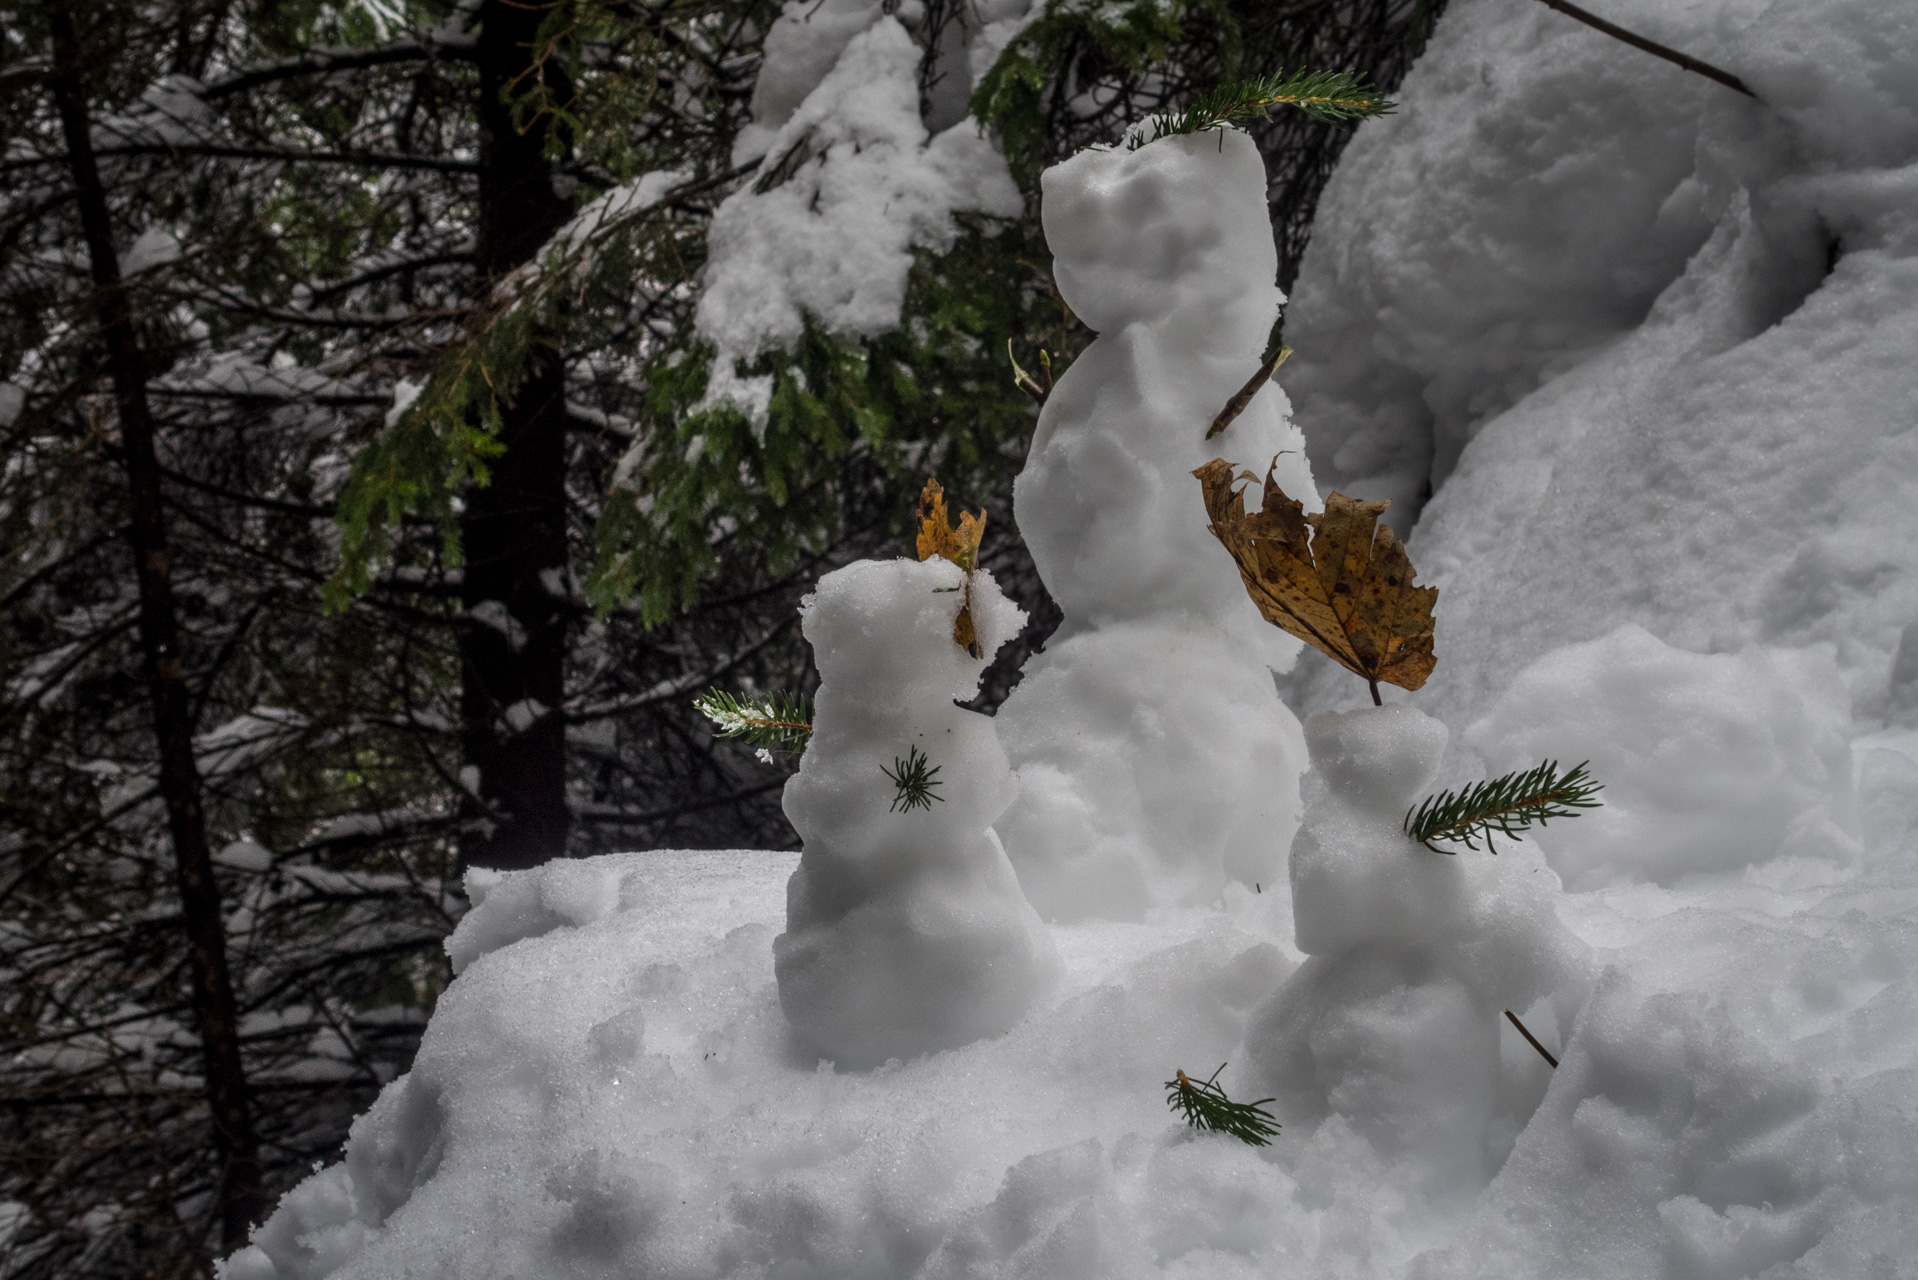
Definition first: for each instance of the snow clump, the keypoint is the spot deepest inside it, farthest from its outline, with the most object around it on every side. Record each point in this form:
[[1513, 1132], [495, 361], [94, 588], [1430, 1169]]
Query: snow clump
[[1711, 762], [1155, 759], [906, 931]]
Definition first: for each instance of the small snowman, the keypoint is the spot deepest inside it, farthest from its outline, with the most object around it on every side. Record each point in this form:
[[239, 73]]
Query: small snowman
[[906, 930], [1392, 1022]]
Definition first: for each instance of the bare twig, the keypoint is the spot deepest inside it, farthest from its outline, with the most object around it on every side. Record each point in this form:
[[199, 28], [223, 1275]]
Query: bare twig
[[1532, 1040], [1652, 47], [1236, 405]]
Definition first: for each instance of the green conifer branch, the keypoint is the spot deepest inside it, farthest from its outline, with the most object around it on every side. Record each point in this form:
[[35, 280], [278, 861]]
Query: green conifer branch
[[1328, 96], [1509, 805], [778, 721], [914, 777], [1206, 1108]]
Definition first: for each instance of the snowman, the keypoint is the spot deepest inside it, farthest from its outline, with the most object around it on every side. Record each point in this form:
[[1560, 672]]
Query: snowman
[[1155, 759], [906, 931], [1393, 1021]]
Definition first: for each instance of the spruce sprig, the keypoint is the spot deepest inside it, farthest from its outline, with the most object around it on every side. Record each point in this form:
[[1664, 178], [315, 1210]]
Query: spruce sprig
[[914, 777], [1509, 804], [1206, 1108], [1328, 96], [781, 721]]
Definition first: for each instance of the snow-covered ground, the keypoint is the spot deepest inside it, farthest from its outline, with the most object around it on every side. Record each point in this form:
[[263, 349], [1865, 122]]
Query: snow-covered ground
[[1653, 348]]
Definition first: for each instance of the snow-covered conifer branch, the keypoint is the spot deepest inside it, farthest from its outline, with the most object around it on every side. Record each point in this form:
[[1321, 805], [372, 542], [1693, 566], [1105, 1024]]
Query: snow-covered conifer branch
[[781, 721]]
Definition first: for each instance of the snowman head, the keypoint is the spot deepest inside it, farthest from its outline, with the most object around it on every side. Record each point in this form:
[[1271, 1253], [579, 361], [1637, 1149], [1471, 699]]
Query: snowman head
[[881, 630], [1178, 226], [1380, 758]]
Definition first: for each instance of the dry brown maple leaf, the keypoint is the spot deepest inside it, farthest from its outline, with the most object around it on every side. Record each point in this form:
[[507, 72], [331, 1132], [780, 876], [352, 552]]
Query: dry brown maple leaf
[[1347, 592], [937, 537]]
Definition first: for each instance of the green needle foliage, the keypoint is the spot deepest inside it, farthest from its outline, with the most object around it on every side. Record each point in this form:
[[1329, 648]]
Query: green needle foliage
[[1328, 96], [778, 721], [1509, 804], [1206, 1108], [915, 777]]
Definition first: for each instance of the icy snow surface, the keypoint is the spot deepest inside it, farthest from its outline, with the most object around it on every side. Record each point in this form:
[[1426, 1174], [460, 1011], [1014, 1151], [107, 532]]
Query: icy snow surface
[[1674, 520]]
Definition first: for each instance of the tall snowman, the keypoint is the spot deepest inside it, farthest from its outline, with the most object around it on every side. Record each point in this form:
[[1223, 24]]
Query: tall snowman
[[1155, 760], [906, 931]]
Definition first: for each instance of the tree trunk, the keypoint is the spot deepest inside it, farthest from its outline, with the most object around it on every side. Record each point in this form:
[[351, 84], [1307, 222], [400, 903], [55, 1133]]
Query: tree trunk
[[513, 649], [215, 1011]]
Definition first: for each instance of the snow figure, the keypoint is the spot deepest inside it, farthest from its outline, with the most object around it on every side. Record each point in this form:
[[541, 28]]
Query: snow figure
[[1393, 1021], [906, 931], [1155, 759]]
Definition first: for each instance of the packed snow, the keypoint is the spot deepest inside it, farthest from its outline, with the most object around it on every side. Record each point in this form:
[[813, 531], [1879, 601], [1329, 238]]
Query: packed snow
[[1648, 346]]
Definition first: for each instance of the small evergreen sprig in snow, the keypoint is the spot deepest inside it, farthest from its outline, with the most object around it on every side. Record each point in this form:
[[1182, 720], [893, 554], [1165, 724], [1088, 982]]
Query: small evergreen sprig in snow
[[1328, 96], [914, 778], [779, 721], [1509, 804], [1206, 1108]]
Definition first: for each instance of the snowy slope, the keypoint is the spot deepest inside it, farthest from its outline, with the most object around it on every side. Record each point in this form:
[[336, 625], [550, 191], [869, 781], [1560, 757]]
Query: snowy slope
[[1674, 515], [1586, 297]]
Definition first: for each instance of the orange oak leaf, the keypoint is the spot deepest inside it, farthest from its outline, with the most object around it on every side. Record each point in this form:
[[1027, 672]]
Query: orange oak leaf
[[1338, 580], [937, 537]]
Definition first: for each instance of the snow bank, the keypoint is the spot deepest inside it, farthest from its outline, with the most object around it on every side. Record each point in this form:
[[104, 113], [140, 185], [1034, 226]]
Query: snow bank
[[1155, 760], [623, 1097], [1585, 295]]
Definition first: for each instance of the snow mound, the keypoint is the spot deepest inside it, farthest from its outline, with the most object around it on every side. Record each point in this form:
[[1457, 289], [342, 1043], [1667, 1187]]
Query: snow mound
[[1711, 762]]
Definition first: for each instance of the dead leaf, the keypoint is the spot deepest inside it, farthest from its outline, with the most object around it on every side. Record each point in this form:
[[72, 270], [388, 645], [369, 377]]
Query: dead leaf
[[1347, 592], [937, 537]]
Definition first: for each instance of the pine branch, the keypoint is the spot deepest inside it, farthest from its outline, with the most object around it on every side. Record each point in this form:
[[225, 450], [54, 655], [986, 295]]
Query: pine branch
[[915, 777], [1206, 1108], [778, 721], [1509, 804], [1326, 96]]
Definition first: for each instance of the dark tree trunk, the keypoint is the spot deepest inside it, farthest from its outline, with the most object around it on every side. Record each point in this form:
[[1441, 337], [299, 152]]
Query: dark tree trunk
[[241, 1197], [512, 663]]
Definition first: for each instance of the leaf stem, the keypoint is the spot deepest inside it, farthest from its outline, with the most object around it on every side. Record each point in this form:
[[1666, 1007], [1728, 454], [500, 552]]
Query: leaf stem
[[1532, 1040]]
